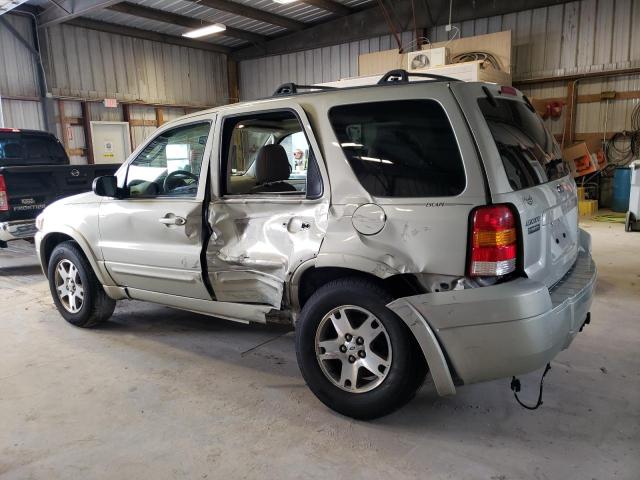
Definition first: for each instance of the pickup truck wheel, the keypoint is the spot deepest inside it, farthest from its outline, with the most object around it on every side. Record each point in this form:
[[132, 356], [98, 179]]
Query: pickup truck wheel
[[355, 354], [78, 295]]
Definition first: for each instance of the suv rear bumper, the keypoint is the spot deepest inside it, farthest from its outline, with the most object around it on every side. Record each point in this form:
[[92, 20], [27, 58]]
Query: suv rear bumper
[[503, 330], [17, 230]]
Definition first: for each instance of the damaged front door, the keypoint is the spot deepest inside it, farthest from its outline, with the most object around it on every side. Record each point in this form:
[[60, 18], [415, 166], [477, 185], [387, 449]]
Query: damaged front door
[[152, 237], [271, 209]]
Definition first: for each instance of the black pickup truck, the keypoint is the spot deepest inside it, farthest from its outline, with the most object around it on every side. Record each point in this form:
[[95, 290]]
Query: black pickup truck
[[34, 172]]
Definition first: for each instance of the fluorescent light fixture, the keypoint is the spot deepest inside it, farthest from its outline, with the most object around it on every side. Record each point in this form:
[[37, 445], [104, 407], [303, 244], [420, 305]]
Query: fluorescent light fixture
[[204, 31], [284, 2]]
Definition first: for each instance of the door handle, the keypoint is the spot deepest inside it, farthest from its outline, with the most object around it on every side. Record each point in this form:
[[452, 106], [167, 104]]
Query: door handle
[[171, 219], [296, 224]]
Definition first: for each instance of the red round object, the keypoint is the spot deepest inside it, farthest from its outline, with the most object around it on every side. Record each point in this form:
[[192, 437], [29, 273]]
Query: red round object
[[555, 109]]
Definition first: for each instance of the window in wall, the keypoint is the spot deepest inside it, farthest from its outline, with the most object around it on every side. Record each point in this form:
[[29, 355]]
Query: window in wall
[[402, 148]]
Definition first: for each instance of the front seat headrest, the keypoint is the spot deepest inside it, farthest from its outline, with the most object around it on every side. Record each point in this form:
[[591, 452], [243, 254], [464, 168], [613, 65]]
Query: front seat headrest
[[272, 164]]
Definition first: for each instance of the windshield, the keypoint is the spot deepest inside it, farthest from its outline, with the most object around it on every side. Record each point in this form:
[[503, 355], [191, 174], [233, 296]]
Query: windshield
[[529, 153]]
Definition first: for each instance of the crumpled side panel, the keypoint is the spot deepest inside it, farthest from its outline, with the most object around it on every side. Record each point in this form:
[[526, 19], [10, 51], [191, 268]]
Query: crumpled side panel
[[256, 245]]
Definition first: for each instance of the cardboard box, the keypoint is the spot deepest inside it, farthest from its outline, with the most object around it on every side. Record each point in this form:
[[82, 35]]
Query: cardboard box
[[585, 157], [498, 44]]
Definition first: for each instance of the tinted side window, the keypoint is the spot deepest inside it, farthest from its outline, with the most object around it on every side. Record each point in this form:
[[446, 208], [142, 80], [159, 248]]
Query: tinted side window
[[529, 153], [400, 148]]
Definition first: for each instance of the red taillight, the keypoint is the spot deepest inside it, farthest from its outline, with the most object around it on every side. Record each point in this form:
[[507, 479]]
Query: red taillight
[[13, 130], [493, 242], [4, 197]]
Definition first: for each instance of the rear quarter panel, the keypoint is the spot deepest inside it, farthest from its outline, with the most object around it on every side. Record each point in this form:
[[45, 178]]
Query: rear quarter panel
[[420, 235]]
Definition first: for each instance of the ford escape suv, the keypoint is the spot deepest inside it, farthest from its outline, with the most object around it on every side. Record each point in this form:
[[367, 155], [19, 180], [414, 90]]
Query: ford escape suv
[[403, 229]]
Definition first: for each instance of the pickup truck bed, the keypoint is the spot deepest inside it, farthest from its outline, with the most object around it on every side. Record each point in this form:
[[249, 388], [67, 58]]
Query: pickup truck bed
[[34, 172]]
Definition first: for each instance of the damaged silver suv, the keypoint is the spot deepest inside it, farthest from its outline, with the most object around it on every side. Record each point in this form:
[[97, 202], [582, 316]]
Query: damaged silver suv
[[403, 229]]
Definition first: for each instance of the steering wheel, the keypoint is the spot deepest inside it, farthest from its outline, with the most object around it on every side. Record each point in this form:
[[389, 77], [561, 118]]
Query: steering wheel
[[171, 180]]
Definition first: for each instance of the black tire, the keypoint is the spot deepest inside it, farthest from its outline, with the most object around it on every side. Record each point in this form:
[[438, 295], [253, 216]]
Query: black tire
[[406, 371], [96, 306]]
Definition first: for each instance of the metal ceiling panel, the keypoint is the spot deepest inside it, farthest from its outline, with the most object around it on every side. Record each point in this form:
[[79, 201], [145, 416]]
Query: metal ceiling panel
[[298, 11], [118, 18]]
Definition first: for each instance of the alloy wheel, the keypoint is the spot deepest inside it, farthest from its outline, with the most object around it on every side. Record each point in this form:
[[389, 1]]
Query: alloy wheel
[[69, 286], [353, 349]]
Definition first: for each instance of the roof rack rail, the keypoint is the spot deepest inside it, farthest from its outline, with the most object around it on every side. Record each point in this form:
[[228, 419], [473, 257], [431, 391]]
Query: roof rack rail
[[402, 76], [292, 88]]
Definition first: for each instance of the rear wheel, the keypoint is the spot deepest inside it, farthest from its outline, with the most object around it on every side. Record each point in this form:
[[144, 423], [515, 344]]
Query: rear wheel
[[355, 354], [78, 295]]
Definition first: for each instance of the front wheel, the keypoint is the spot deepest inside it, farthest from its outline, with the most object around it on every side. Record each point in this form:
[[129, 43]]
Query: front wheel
[[355, 354], [76, 291]]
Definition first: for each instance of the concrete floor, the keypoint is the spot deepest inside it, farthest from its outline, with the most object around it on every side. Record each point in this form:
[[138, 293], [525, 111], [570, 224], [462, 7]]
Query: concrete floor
[[158, 393]]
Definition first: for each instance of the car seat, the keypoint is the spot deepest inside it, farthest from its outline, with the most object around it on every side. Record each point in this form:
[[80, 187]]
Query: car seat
[[272, 169]]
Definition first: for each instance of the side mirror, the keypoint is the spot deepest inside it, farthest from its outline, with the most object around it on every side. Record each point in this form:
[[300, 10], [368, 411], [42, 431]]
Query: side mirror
[[106, 186]]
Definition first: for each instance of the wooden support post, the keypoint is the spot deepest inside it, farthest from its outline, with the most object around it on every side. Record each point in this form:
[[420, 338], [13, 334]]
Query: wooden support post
[[126, 116], [86, 126], [570, 115], [63, 126], [233, 80], [159, 116]]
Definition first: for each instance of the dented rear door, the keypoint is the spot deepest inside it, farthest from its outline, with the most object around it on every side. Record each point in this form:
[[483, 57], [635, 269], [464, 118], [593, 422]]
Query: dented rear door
[[257, 241]]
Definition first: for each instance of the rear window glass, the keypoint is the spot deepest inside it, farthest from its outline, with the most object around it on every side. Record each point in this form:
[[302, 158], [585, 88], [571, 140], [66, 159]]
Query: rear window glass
[[529, 153], [31, 149], [400, 148]]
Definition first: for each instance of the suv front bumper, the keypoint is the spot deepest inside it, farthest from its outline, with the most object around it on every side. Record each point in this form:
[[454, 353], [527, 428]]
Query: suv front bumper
[[17, 230], [499, 331]]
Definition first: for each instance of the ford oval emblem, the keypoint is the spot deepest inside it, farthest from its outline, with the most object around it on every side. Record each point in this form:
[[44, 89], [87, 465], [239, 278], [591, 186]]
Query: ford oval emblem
[[75, 172]]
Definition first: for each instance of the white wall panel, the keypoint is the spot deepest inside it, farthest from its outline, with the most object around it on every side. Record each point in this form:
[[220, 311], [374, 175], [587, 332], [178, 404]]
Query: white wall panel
[[22, 114], [18, 76], [18, 73], [89, 64]]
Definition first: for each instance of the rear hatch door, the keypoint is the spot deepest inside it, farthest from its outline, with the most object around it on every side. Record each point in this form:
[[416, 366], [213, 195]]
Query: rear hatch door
[[524, 168]]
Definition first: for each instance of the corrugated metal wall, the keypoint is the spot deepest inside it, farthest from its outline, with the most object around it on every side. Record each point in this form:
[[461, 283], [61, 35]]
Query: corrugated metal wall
[[87, 64], [575, 37], [261, 76], [18, 76], [90, 64]]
